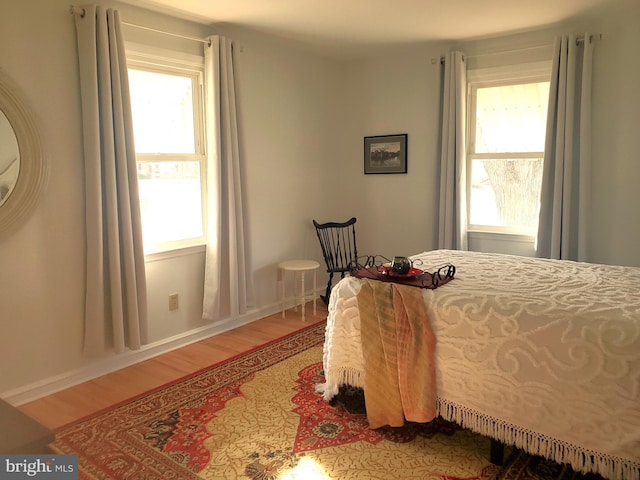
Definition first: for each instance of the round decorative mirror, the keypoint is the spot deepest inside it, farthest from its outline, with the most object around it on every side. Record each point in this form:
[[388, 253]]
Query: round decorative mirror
[[9, 158], [23, 166]]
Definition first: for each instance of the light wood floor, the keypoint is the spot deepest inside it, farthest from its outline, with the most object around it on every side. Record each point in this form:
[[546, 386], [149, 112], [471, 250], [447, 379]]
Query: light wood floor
[[101, 393]]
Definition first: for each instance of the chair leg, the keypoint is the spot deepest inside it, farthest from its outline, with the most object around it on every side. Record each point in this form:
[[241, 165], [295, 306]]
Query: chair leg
[[327, 293]]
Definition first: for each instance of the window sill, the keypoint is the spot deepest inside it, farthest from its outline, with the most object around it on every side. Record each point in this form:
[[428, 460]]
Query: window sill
[[502, 242], [178, 252], [509, 236]]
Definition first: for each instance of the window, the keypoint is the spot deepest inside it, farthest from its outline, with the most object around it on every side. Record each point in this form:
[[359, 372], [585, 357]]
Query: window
[[167, 121], [507, 122]]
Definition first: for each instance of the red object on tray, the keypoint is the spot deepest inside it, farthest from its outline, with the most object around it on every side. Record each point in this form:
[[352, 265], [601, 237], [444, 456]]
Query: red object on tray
[[412, 273]]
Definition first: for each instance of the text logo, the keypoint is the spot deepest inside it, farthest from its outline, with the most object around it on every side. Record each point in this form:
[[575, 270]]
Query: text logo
[[50, 467]]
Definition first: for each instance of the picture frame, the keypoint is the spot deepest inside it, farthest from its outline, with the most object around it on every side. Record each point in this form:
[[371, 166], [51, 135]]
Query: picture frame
[[385, 154]]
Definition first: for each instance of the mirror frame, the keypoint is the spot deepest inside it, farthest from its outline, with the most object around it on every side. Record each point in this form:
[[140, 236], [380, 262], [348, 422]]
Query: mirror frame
[[34, 167]]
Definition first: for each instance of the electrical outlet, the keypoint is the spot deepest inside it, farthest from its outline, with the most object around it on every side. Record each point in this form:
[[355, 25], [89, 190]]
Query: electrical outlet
[[173, 301]]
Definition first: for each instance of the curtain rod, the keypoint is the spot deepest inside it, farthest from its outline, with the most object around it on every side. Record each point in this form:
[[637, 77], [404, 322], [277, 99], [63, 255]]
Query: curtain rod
[[579, 41], [81, 11]]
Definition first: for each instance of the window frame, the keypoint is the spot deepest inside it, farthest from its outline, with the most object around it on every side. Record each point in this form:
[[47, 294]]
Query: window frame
[[151, 59], [517, 74]]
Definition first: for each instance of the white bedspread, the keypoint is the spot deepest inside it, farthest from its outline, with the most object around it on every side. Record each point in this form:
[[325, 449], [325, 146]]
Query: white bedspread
[[541, 354]]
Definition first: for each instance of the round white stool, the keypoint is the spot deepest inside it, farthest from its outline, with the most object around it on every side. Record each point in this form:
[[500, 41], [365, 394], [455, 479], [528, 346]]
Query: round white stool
[[297, 267]]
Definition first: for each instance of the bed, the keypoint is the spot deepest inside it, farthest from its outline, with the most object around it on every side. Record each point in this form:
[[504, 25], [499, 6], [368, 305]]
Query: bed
[[540, 354]]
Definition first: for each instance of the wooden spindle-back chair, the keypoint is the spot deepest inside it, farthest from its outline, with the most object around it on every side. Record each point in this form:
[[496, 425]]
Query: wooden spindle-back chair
[[338, 243]]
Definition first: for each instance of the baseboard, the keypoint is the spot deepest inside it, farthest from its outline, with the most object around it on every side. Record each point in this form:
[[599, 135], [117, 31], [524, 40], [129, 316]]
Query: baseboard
[[51, 385]]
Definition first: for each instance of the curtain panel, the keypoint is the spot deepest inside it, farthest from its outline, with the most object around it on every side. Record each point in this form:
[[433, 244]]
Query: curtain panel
[[227, 284], [115, 298], [452, 225], [566, 180]]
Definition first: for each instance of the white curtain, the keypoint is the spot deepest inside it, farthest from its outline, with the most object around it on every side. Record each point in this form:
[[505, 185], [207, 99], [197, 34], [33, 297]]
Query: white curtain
[[115, 300], [452, 232], [566, 187], [227, 278]]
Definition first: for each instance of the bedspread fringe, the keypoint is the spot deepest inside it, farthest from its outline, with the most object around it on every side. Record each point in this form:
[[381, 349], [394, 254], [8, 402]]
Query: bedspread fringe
[[342, 376], [534, 443]]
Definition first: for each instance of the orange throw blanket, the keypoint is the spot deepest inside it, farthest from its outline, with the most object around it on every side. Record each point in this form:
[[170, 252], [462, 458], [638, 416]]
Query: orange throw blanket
[[398, 347]]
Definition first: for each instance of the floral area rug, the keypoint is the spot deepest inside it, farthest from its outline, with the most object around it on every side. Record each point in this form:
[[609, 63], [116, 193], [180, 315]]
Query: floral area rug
[[258, 417]]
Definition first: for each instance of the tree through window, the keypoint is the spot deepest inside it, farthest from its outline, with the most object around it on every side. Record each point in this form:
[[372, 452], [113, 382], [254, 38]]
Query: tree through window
[[505, 154]]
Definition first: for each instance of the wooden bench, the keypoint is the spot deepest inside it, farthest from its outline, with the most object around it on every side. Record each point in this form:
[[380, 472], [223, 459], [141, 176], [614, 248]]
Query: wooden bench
[[21, 434]]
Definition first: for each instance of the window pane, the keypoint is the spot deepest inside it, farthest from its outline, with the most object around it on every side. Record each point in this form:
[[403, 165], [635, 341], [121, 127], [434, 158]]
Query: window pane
[[511, 118], [505, 193], [170, 201], [162, 108]]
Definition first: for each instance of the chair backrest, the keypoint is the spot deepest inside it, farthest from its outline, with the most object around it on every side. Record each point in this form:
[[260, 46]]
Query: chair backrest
[[338, 242]]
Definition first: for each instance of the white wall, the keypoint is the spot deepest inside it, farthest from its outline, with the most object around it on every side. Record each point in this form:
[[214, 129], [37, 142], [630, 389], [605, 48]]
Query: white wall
[[395, 92], [286, 114], [287, 120], [615, 229], [41, 283], [303, 119]]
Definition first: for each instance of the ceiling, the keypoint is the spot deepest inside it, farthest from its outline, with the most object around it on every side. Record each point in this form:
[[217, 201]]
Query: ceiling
[[342, 27]]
